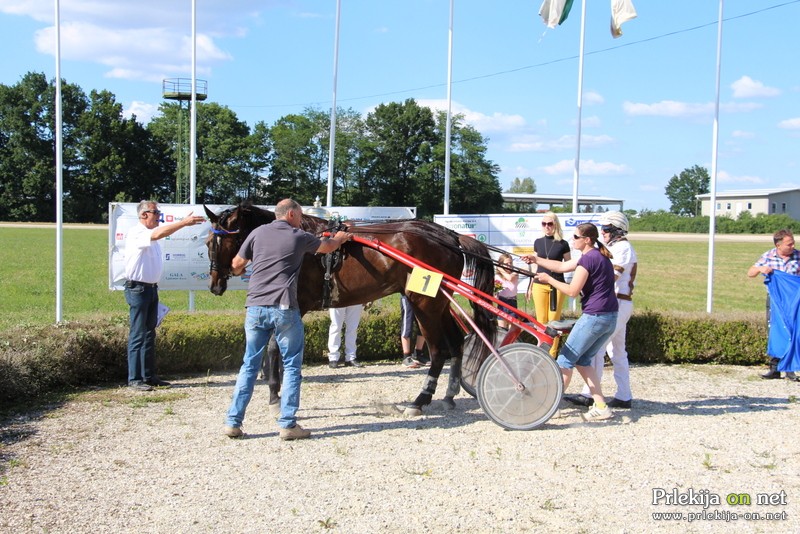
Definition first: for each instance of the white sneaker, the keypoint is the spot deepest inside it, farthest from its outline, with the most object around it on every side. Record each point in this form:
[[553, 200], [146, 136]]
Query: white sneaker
[[595, 414]]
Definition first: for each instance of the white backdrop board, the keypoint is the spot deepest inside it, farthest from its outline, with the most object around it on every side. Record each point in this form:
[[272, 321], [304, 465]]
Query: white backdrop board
[[513, 232], [186, 264]]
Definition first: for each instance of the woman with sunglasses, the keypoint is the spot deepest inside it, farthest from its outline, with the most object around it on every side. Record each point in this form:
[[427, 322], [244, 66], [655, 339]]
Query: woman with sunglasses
[[551, 246], [594, 282]]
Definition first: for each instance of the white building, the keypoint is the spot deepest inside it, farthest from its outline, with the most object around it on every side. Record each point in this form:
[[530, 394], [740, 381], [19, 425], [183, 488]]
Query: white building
[[768, 201], [536, 202]]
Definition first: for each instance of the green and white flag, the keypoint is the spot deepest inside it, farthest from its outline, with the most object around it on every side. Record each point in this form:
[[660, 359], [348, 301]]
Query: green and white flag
[[554, 12]]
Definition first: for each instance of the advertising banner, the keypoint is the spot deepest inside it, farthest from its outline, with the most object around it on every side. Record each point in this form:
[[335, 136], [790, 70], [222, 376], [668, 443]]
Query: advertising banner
[[513, 232], [186, 263]]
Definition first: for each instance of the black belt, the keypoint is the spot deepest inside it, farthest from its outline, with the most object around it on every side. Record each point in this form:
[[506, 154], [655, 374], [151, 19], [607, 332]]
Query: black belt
[[134, 283], [622, 296]]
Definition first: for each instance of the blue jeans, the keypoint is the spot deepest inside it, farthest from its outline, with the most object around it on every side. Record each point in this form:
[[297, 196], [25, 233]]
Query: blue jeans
[[259, 323], [143, 301], [588, 336]]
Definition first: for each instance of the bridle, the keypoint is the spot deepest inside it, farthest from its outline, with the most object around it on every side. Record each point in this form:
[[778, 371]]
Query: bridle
[[217, 235]]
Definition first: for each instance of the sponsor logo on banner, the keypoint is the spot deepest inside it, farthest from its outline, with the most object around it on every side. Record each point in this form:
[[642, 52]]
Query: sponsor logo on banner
[[201, 276], [574, 221], [175, 256], [521, 224], [174, 276]]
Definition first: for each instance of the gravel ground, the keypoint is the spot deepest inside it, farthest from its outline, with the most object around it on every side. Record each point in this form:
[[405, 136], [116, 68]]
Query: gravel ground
[[111, 460]]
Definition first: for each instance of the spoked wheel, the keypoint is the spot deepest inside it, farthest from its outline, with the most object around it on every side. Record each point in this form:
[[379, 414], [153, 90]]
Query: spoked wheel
[[536, 403], [470, 367]]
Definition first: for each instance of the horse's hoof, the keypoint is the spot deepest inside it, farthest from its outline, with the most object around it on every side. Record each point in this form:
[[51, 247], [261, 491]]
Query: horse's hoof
[[449, 403], [412, 411], [275, 410]]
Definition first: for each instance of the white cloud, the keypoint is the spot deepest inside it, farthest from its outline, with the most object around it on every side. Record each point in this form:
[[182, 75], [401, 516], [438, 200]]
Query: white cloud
[[672, 108], [532, 143], [741, 134], [592, 97], [143, 40], [790, 124], [746, 87], [724, 177], [148, 53], [496, 122], [588, 167], [143, 111]]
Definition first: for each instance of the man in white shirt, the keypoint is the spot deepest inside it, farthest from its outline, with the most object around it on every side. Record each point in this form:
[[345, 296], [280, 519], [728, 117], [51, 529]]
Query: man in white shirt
[[144, 264]]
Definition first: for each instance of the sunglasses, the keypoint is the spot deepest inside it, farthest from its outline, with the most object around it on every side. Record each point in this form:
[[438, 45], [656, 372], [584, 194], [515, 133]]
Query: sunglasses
[[154, 212], [607, 228], [548, 224], [574, 236]]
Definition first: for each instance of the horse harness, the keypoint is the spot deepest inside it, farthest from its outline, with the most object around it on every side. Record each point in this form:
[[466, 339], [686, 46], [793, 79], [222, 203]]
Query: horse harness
[[331, 262]]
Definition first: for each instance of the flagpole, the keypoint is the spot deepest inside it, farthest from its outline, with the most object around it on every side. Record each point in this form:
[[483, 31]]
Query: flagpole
[[332, 145], [448, 127], [59, 172], [577, 165], [714, 150], [193, 127]]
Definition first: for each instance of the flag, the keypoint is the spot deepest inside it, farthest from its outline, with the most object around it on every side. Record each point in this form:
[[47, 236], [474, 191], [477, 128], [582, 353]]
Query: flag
[[554, 12], [783, 341], [621, 11]]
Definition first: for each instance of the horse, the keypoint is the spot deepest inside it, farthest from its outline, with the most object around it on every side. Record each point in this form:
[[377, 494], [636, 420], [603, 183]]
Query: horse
[[365, 274]]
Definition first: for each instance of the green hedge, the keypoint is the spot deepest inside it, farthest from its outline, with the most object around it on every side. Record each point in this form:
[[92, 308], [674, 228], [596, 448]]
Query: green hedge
[[39, 360]]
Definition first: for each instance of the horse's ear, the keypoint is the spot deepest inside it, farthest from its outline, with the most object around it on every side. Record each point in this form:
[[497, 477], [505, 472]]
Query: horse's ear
[[211, 215]]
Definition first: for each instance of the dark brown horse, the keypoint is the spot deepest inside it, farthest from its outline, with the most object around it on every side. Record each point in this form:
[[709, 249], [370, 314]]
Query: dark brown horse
[[366, 275]]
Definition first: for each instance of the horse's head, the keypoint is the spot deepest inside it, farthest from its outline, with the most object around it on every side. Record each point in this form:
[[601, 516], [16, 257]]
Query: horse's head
[[229, 229], [223, 243]]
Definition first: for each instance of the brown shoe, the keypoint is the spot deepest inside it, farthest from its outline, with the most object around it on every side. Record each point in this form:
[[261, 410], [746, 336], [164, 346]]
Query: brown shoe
[[296, 432], [233, 432]]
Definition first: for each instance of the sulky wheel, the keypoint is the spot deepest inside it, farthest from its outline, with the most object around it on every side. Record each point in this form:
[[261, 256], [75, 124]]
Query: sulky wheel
[[470, 367], [536, 403]]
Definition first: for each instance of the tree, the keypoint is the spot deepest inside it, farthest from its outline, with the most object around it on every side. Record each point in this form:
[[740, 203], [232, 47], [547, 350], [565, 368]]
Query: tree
[[298, 157], [474, 187], [227, 155], [522, 185], [682, 191], [119, 160], [398, 144], [350, 130], [27, 146]]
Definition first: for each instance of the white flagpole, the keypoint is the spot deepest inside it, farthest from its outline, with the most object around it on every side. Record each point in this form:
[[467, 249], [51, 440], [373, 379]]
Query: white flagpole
[[448, 127], [714, 149], [332, 144], [193, 127], [577, 166], [59, 173]]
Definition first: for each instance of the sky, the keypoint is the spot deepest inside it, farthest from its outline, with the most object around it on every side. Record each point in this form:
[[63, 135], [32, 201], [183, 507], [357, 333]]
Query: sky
[[648, 97]]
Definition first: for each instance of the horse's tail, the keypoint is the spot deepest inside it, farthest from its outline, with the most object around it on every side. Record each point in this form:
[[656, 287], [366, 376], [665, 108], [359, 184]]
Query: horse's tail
[[480, 263]]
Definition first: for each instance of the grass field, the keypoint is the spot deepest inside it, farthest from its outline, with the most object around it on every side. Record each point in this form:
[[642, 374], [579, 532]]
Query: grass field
[[672, 277]]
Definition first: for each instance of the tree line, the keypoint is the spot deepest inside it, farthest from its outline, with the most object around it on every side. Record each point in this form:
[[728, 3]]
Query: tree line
[[392, 157]]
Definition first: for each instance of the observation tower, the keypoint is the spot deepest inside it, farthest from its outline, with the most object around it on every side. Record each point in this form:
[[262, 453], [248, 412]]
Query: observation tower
[[180, 89]]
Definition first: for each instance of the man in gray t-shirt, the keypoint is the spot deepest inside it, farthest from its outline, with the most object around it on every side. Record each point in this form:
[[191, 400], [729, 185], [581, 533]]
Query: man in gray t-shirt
[[276, 250]]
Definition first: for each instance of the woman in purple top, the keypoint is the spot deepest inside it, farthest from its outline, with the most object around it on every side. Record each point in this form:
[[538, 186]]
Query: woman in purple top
[[594, 282]]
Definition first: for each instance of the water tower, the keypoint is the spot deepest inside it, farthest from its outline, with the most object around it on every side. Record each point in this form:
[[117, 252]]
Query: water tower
[[180, 89]]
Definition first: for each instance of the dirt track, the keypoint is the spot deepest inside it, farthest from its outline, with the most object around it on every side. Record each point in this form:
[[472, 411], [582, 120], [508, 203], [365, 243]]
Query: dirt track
[[116, 461]]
